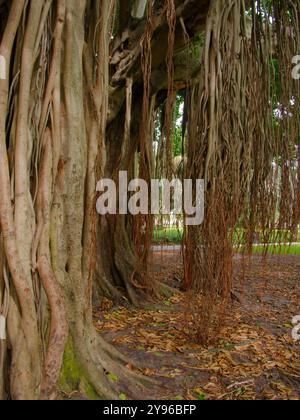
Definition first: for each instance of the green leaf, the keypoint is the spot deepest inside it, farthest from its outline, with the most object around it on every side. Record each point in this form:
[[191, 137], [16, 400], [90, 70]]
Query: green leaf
[[179, 398], [122, 397], [201, 397], [113, 377]]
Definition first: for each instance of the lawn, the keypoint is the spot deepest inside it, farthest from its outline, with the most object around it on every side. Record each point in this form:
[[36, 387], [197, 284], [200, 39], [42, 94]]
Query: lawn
[[279, 250], [174, 236], [171, 235]]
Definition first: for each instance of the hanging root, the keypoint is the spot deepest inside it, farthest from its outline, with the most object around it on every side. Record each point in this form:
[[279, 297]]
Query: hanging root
[[249, 161]]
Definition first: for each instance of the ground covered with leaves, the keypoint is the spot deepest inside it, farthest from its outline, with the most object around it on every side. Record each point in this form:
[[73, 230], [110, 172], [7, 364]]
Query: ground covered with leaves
[[253, 357]]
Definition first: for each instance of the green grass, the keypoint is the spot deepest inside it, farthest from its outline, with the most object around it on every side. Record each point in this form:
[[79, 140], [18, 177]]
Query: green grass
[[279, 250], [168, 236], [173, 236], [273, 236]]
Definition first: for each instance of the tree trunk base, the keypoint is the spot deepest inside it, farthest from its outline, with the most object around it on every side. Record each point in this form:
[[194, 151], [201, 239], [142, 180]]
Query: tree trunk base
[[98, 371]]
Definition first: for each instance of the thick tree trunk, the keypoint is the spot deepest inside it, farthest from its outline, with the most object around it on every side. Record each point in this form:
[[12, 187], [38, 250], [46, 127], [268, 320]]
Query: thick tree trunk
[[62, 129], [120, 273], [87, 358], [55, 242]]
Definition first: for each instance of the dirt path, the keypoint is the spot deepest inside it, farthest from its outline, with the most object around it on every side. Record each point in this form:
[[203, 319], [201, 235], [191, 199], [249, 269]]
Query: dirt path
[[254, 357]]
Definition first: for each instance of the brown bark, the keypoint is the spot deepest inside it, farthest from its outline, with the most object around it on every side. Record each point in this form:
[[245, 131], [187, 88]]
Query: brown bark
[[25, 355], [62, 128]]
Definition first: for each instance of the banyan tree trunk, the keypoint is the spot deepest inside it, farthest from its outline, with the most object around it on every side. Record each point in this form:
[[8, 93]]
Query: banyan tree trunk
[[120, 273], [48, 152], [66, 83]]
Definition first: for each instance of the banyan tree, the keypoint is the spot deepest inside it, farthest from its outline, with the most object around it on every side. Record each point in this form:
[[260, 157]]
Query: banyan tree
[[82, 84]]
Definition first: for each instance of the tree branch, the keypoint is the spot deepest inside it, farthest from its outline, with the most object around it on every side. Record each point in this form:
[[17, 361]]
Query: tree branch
[[138, 9]]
